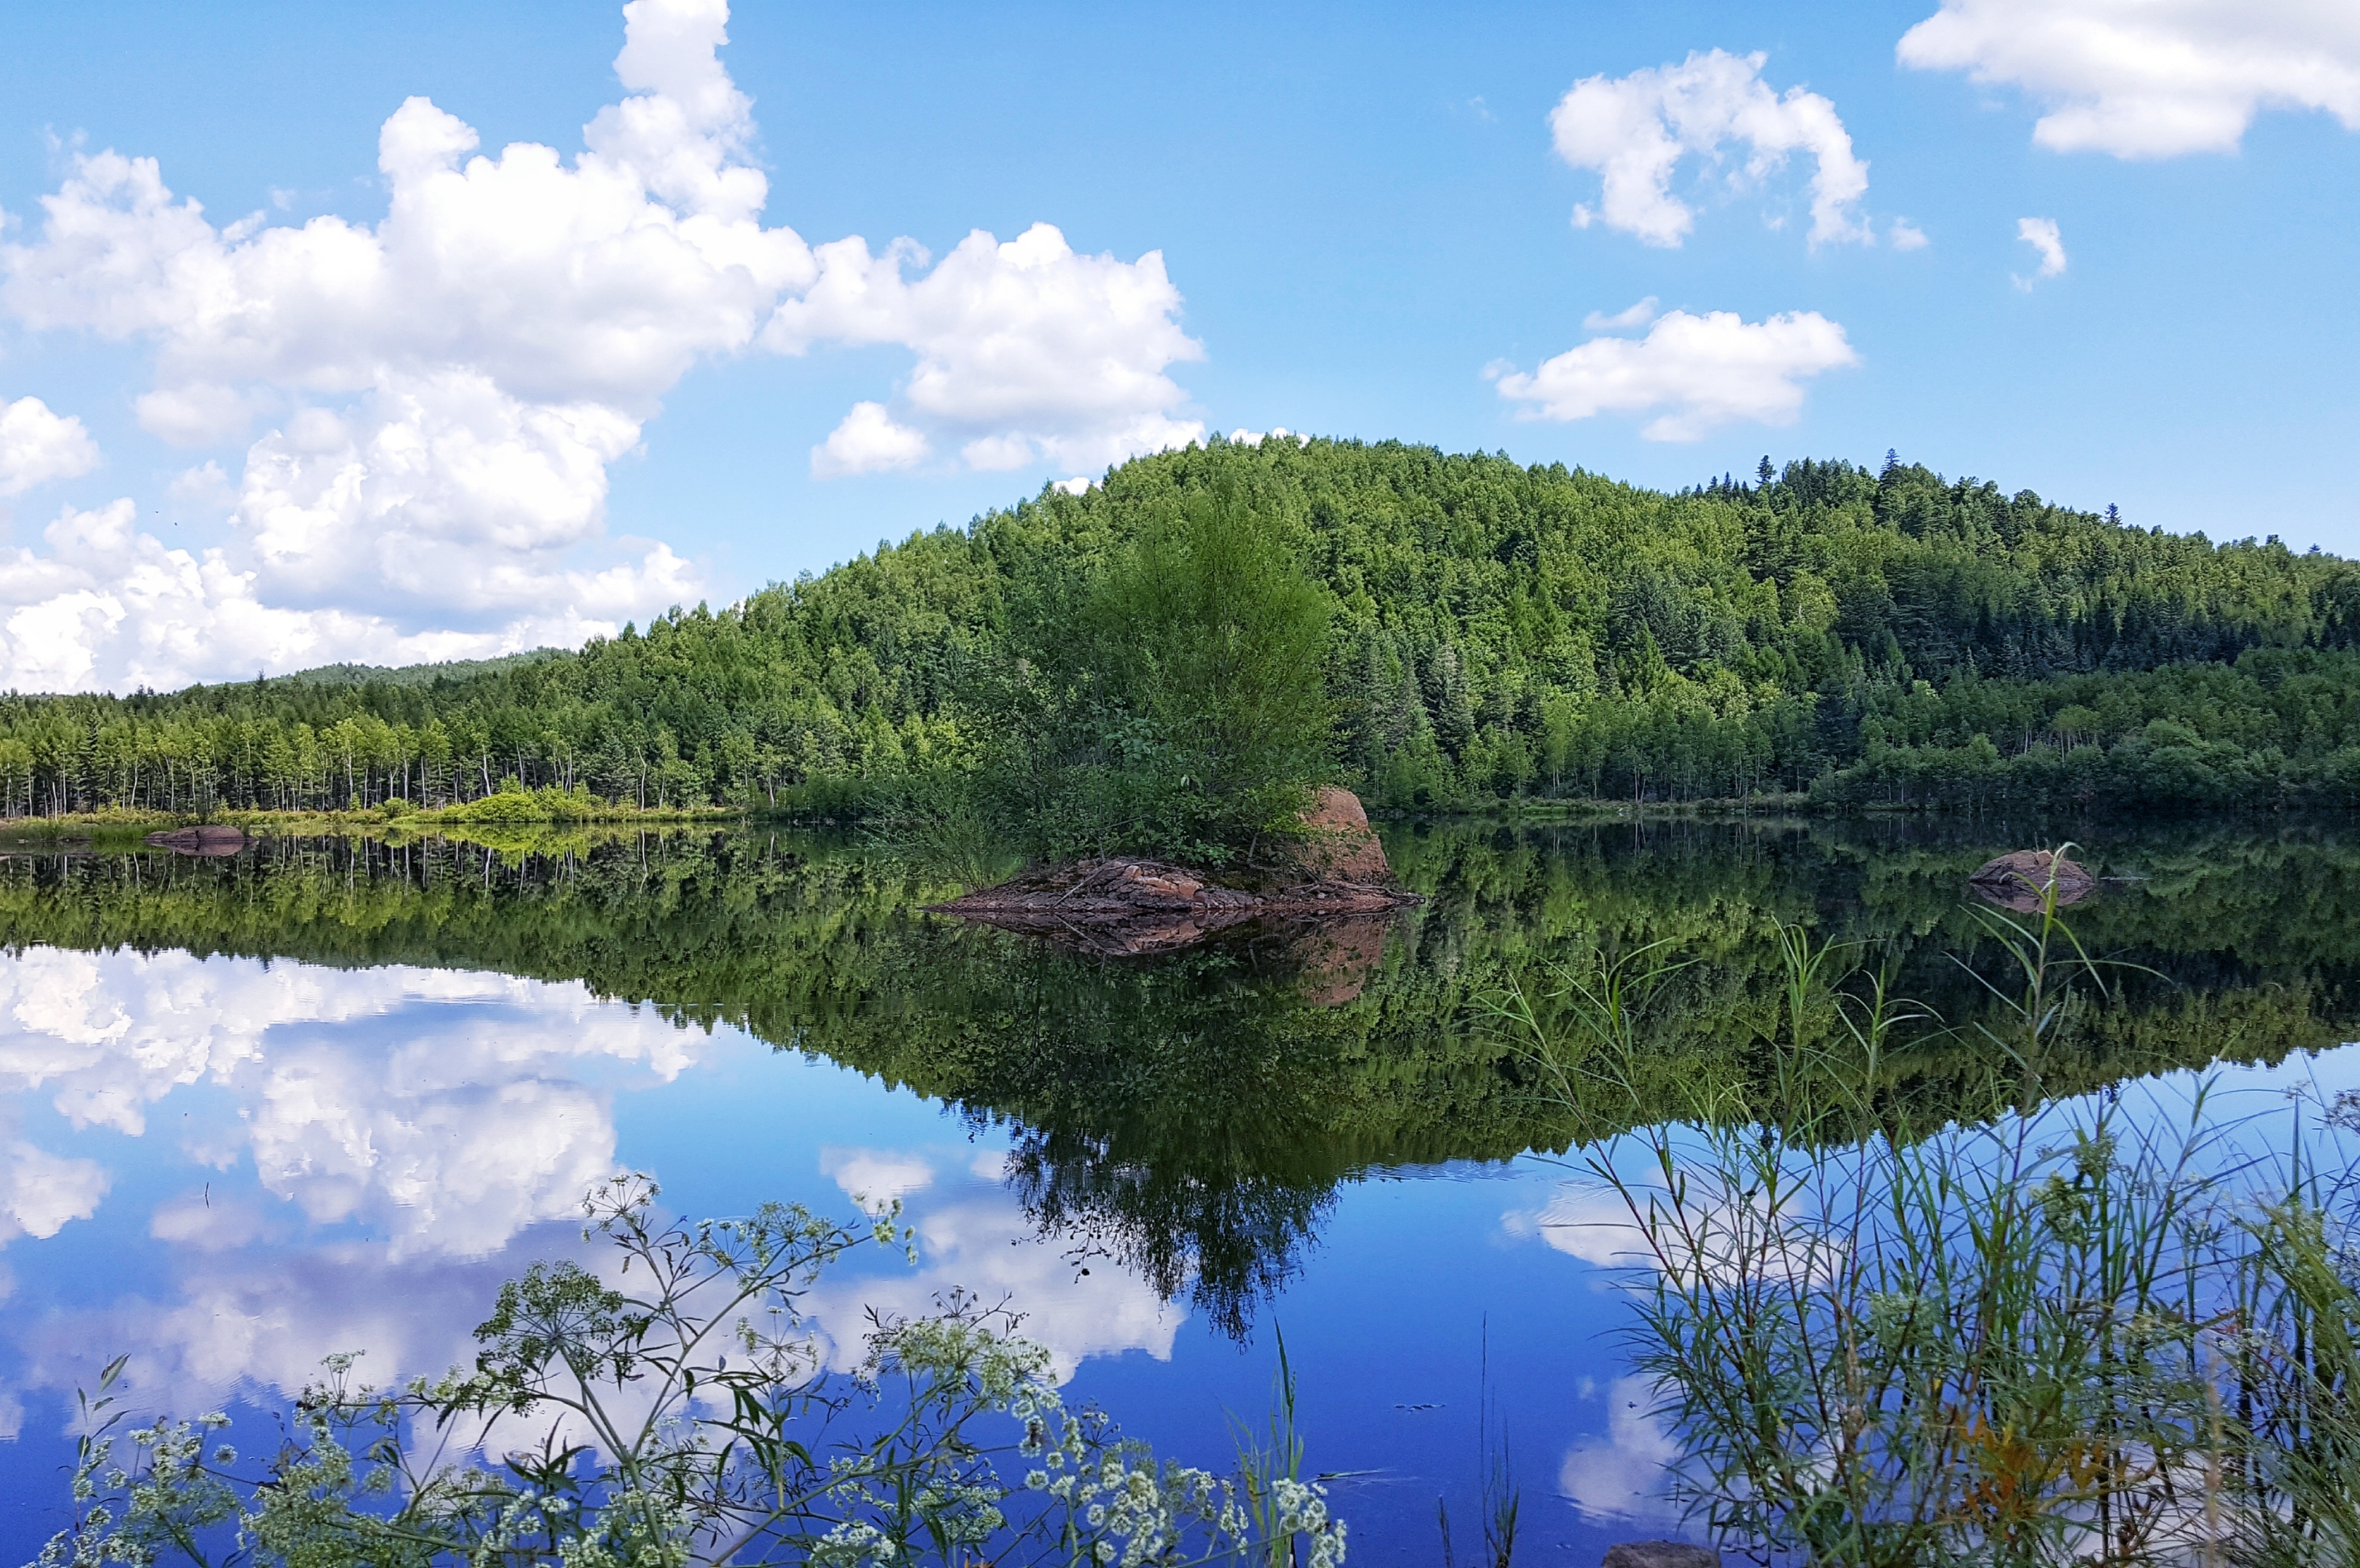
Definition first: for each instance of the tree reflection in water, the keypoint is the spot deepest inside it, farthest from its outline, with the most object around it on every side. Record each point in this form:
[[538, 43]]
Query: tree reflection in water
[[1192, 1115]]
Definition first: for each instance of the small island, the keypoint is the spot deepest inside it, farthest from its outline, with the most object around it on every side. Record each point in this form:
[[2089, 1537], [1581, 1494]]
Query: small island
[[1120, 906]]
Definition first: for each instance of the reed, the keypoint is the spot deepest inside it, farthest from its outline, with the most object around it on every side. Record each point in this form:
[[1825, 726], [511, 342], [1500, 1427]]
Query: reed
[[2073, 1333]]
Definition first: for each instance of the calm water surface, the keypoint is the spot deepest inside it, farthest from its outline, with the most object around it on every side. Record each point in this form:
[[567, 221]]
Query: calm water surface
[[325, 1096]]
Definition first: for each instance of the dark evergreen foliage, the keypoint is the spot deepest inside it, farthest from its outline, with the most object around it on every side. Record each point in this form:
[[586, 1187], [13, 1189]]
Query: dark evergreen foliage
[[1496, 630]]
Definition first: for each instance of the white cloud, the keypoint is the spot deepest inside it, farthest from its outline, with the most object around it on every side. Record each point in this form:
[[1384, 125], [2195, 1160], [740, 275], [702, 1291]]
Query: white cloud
[[2041, 234], [988, 1247], [1026, 349], [1728, 1235], [449, 388], [1624, 1477], [450, 1137], [997, 455], [199, 1219], [1636, 129], [2151, 78], [1703, 371], [1905, 236], [1622, 320], [874, 1177], [235, 1323], [206, 486], [107, 606], [40, 1192], [194, 415], [37, 446], [867, 442]]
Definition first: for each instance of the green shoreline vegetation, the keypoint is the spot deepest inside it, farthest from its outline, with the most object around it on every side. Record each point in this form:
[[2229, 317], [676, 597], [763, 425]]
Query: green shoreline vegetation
[[1487, 636]]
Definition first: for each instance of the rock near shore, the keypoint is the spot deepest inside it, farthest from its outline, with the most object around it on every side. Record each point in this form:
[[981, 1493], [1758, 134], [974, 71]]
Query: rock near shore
[[213, 838], [2018, 880], [1340, 844]]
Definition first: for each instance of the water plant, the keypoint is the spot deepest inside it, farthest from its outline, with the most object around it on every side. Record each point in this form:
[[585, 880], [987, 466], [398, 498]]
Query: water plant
[[2077, 1332], [676, 1407]]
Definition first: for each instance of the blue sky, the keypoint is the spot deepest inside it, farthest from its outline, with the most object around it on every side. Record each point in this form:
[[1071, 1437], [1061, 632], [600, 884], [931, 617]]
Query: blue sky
[[240, 458]]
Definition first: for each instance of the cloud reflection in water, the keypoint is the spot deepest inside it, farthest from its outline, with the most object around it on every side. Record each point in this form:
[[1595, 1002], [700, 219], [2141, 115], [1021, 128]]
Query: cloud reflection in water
[[361, 1155]]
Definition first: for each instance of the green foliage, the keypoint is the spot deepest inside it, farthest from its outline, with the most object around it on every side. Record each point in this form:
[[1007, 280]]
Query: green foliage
[[1171, 702], [2019, 1339], [1495, 631], [684, 1416]]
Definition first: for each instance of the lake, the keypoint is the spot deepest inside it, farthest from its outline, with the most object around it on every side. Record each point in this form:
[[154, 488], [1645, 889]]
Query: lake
[[324, 1095]]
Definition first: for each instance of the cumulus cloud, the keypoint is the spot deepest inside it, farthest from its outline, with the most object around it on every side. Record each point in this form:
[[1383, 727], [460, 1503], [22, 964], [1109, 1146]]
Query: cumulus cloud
[[445, 392], [1634, 130], [450, 1137], [200, 1220], [1622, 320], [39, 1192], [1905, 236], [1279, 432], [235, 1323], [1624, 1476], [2152, 80], [875, 1178], [988, 1247], [1702, 371], [37, 446], [453, 1121], [2041, 234], [1026, 350], [1731, 1235], [867, 442]]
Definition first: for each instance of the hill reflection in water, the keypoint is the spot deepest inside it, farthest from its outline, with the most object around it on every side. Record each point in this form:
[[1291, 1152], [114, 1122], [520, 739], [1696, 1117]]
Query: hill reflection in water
[[1191, 1115], [413, 1061]]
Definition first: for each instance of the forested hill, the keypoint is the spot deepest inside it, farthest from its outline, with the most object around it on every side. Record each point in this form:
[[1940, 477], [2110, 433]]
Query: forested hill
[[1498, 629]]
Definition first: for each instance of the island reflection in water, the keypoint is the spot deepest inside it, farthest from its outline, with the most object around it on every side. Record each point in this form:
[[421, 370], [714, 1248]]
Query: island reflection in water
[[324, 1095]]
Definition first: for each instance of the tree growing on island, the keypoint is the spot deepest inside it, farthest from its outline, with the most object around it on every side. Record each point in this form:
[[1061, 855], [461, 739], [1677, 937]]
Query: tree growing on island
[[1169, 697]]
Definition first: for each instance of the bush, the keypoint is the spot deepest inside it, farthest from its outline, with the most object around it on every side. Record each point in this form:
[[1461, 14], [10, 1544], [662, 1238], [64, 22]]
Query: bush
[[692, 1422]]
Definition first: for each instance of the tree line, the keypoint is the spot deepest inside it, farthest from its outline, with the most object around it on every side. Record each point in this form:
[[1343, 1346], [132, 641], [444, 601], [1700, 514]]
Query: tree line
[[1486, 630]]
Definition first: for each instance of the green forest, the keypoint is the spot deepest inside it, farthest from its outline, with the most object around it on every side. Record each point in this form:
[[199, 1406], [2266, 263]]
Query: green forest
[[1482, 632]]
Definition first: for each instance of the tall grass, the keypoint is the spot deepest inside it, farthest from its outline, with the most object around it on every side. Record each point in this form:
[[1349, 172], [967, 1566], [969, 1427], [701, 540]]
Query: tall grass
[[2078, 1332]]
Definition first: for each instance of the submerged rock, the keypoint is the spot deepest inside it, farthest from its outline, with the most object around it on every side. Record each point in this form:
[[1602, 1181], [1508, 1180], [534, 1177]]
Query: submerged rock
[[1660, 1554], [213, 838], [2017, 880]]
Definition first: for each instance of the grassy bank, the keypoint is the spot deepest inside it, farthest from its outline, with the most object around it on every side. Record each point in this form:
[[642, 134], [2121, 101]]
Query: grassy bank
[[476, 820]]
